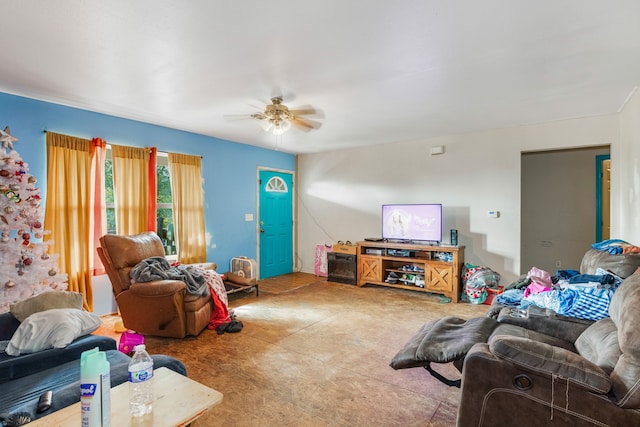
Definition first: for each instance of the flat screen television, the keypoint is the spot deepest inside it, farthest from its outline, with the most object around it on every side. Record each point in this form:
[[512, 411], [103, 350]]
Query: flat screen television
[[412, 223]]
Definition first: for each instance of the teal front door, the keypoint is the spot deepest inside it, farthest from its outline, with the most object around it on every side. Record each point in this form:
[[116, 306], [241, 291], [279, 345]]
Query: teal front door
[[276, 223]]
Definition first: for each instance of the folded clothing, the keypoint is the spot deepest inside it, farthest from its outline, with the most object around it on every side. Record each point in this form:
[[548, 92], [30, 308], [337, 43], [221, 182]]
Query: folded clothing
[[616, 247]]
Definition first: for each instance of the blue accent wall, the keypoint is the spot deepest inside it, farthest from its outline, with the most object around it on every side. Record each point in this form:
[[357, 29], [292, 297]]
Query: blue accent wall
[[229, 169]]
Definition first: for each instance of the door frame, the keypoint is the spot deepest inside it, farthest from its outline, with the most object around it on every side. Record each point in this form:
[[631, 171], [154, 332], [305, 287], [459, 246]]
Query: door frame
[[599, 196], [294, 221]]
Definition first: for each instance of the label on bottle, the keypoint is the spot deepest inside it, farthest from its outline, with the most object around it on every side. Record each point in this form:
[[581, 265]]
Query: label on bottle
[[95, 401], [140, 376], [88, 390]]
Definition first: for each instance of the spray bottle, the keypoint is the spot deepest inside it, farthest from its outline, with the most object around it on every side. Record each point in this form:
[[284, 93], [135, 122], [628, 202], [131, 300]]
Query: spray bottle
[[95, 389]]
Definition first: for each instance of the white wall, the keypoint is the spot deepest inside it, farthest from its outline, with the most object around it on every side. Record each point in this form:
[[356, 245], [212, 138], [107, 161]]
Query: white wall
[[340, 193], [625, 179]]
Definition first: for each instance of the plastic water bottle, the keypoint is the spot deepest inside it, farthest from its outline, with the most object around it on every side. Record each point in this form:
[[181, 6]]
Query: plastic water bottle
[[140, 382]]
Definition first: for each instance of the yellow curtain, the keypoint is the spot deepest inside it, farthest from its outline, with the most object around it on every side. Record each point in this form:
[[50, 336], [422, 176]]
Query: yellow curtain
[[67, 210], [131, 188], [188, 207]]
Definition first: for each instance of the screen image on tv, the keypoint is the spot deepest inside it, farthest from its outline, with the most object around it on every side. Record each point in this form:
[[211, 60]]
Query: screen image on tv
[[412, 223]]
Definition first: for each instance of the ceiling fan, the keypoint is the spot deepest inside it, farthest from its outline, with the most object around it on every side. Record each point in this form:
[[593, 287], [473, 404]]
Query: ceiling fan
[[277, 118]]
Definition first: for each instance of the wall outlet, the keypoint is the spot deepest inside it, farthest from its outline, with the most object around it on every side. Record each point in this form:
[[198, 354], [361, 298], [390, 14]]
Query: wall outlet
[[558, 264]]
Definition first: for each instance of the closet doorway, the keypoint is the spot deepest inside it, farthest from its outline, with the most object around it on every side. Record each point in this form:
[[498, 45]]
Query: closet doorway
[[561, 212]]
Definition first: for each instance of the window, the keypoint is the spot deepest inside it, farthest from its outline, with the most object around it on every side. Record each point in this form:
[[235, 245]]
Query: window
[[164, 212], [276, 185]]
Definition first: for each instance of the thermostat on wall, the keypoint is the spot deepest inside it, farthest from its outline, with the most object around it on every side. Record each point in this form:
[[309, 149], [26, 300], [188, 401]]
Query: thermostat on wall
[[493, 214]]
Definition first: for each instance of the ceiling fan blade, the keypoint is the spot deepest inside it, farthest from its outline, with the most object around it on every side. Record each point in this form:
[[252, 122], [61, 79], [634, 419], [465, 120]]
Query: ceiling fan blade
[[258, 116], [306, 110], [305, 125], [231, 117]]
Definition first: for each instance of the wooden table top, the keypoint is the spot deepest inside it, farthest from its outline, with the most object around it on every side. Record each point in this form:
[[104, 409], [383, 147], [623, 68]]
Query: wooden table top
[[178, 401]]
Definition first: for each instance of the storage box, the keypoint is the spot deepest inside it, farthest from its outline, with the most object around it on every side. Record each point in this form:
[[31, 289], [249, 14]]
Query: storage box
[[492, 293], [344, 249], [244, 267], [320, 267]]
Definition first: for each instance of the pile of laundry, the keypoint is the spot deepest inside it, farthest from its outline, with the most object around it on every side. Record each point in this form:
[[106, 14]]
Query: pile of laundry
[[616, 247], [569, 293]]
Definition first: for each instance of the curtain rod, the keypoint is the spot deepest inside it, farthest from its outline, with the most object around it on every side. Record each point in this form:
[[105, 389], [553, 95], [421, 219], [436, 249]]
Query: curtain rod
[[201, 156]]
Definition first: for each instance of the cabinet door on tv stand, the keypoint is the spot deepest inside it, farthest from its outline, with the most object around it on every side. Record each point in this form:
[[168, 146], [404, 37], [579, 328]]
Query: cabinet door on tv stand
[[369, 269], [439, 277]]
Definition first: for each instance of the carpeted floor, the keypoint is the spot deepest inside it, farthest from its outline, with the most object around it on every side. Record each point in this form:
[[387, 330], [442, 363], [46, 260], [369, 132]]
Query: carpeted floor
[[316, 353]]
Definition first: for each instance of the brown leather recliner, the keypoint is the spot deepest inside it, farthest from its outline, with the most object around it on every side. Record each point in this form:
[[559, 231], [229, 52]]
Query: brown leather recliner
[[161, 307]]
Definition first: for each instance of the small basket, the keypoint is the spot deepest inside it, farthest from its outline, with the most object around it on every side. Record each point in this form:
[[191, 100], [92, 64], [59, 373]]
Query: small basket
[[492, 293], [128, 341]]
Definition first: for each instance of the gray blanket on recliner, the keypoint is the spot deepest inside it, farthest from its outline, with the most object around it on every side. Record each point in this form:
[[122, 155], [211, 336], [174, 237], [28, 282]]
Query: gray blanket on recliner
[[158, 268]]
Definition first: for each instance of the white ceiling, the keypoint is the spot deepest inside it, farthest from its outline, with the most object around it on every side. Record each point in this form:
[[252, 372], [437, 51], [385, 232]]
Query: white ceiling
[[380, 71]]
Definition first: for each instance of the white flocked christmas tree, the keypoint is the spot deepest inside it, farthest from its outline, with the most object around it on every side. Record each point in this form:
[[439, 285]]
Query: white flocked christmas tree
[[26, 267]]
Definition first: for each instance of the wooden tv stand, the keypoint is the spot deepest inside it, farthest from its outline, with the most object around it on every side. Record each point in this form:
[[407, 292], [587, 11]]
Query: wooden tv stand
[[418, 267]]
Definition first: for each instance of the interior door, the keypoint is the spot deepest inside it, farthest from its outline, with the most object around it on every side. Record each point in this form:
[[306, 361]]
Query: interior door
[[275, 223]]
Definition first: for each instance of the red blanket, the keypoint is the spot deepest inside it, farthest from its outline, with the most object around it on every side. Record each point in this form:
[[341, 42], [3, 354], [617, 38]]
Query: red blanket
[[220, 314]]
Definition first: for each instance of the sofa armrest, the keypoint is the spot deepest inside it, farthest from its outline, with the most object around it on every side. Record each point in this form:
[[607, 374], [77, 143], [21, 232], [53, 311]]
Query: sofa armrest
[[158, 288], [8, 326], [545, 321], [12, 367], [542, 358], [495, 309]]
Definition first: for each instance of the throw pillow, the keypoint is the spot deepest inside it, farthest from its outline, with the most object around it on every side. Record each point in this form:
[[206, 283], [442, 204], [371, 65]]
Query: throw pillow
[[46, 301], [54, 328]]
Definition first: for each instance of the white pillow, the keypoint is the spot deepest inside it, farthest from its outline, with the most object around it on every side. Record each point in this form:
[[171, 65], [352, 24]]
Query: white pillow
[[54, 328]]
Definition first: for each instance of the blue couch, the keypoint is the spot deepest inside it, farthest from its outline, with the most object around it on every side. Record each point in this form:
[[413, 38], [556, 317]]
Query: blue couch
[[24, 378]]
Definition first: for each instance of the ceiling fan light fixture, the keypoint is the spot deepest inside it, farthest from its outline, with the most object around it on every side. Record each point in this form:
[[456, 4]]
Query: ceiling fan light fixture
[[280, 126], [278, 116], [266, 125]]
